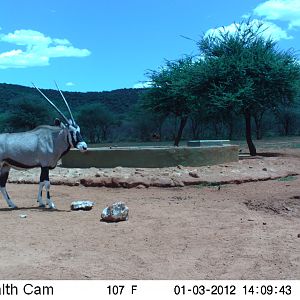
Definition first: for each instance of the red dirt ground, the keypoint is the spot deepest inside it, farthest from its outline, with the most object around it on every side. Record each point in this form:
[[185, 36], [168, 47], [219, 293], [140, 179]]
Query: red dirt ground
[[232, 231]]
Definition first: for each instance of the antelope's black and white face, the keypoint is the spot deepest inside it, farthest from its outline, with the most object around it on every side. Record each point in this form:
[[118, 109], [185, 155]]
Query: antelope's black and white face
[[76, 138]]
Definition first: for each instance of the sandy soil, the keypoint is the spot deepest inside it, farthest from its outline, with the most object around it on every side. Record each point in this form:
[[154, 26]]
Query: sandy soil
[[232, 231]]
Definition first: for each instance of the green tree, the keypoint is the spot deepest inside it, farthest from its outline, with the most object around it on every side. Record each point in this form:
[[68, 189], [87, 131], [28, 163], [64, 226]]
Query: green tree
[[95, 121], [286, 114], [145, 123], [248, 73], [169, 93], [26, 115], [3, 122]]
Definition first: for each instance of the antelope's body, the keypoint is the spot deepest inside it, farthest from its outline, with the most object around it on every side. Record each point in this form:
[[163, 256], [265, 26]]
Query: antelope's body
[[41, 147]]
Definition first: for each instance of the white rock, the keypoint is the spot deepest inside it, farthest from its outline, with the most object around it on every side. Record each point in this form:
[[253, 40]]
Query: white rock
[[82, 205], [115, 212]]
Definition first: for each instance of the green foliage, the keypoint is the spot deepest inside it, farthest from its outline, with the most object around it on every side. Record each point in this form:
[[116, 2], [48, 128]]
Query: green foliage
[[248, 73], [286, 114], [118, 101], [145, 123], [26, 115], [237, 73], [3, 121], [170, 93], [95, 121], [117, 104], [237, 79]]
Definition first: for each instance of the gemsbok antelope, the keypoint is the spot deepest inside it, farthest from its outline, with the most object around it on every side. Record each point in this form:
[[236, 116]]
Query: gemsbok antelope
[[41, 147]]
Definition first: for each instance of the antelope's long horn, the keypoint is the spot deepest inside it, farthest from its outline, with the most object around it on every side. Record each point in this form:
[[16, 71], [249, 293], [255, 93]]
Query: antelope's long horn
[[67, 105], [53, 105]]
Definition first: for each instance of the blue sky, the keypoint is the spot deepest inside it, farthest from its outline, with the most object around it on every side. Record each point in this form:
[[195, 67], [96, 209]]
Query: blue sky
[[97, 45]]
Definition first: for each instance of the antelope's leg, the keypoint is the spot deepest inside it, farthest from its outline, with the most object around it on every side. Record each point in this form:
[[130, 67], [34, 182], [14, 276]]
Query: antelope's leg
[[41, 186], [4, 171], [40, 195], [49, 201], [45, 179]]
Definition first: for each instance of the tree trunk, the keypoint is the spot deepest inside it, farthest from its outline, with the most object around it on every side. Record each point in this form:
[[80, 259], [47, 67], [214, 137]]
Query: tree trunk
[[258, 129], [195, 126], [183, 121], [175, 128], [161, 122], [258, 133], [104, 131], [258, 124], [286, 126], [160, 131], [216, 128], [230, 128], [251, 146]]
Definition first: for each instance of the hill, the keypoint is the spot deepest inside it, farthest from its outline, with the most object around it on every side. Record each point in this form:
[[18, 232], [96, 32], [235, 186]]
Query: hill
[[118, 101]]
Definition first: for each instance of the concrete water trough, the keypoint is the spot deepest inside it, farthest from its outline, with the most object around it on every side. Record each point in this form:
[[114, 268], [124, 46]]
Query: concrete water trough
[[150, 157], [200, 143]]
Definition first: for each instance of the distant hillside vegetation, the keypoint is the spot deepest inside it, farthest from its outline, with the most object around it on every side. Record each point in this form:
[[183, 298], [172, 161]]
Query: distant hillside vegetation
[[113, 117], [118, 101]]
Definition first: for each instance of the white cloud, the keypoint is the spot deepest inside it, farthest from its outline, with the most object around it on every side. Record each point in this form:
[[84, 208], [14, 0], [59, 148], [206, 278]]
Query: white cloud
[[268, 30], [26, 37], [142, 85], [61, 42], [246, 16], [216, 31], [70, 83], [284, 10], [38, 49], [11, 53]]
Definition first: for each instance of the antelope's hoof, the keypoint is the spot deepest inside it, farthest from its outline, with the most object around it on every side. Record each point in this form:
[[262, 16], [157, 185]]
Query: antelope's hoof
[[52, 206], [13, 206], [42, 205]]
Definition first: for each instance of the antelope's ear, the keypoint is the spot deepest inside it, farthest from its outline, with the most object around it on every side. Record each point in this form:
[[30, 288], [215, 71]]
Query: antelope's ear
[[57, 122]]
